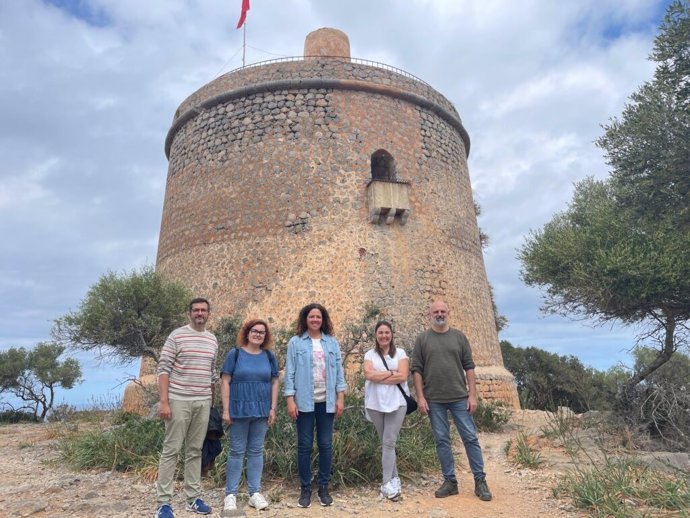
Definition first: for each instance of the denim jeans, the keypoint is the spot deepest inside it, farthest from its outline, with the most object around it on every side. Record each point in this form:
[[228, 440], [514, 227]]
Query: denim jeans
[[324, 440], [246, 436], [438, 415]]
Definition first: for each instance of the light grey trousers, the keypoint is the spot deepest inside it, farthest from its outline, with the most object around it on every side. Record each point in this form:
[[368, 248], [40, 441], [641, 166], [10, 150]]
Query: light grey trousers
[[388, 426]]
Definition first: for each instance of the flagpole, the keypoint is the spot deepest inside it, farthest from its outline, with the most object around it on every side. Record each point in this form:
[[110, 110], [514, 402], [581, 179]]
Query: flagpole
[[244, 41]]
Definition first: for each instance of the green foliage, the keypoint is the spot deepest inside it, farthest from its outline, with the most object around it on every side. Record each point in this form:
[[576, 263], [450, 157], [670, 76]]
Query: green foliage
[[491, 416], [624, 488], [226, 331], [125, 317], [546, 381], [648, 146], [672, 49], [131, 445], [17, 416], [619, 252], [560, 425], [595, 260], [357, 337], [32, 376], [523, 454], [356, 448]]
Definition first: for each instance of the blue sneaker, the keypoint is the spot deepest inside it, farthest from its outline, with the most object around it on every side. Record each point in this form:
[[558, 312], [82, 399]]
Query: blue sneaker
[[165, 511], [198, 506]]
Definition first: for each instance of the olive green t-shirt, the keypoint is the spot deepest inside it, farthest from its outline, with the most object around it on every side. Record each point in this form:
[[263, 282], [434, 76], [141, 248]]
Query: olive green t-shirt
[[442, 359]]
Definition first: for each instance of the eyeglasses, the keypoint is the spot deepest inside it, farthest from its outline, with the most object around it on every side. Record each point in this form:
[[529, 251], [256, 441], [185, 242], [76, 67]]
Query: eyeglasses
[[257, 332]]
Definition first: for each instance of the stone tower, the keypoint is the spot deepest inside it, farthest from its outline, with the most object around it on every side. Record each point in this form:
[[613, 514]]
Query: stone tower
[[334, 180]]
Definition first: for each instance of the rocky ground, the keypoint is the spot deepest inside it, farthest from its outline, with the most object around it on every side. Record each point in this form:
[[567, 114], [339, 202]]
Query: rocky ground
[[34, 483]]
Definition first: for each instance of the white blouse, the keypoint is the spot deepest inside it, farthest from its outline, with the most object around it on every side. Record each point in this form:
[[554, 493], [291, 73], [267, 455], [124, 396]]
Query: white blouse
[[380, 396]]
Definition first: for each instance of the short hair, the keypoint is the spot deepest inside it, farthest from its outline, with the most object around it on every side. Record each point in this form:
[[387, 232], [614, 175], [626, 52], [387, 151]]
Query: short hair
[[199, 300], [326, 324], [391, 347], [243, 335]]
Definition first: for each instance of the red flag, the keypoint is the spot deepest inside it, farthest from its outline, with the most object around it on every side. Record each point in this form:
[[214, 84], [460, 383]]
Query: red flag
[[243, 14]]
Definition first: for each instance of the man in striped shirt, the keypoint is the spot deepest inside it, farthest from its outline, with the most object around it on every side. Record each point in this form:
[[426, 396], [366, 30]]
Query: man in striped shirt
[[186, 376]]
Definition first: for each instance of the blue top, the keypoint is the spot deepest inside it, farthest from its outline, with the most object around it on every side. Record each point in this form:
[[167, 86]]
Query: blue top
[[250, 382], [299, 371]]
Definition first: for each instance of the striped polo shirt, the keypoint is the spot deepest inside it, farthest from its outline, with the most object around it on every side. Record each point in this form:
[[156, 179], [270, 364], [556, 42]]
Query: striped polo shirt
[[189, 358]]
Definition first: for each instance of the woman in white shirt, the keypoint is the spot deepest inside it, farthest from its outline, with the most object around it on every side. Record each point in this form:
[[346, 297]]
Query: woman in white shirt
[[384, 405]]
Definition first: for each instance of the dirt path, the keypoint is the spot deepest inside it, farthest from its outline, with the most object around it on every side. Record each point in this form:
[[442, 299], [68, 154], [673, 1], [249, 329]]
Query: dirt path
[[34, 484]]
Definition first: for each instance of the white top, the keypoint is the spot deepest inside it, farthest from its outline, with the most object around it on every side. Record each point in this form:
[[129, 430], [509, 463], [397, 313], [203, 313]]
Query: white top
[[380, 396], [319, 371]]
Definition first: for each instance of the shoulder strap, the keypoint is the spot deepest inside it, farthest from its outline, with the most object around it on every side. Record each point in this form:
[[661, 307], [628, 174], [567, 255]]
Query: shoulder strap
[[237, 359], [386, 365], [382, 359], [271, 360]]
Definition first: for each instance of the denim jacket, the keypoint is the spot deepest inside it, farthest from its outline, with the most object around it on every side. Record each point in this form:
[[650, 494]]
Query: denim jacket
[[299, 372]]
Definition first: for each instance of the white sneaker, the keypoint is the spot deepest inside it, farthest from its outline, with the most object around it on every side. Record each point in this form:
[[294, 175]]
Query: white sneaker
[[395, 482], [389, 491], [230, 503], [258, 502]]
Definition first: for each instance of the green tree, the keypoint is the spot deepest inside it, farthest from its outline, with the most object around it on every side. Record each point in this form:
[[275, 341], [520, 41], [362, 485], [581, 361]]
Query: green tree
[[546, 380], [619, 252], [125, 317], [32, 376], [595, 260], [647, 147]]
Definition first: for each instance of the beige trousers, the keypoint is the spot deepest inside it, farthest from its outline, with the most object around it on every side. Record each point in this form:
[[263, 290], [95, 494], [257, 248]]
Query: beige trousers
[[187, 426]]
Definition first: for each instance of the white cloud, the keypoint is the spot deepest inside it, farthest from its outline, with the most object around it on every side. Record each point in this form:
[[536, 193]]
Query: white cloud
[[87, 100]]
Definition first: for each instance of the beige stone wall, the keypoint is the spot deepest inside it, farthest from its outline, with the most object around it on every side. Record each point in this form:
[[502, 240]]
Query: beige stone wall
[[266, 210]]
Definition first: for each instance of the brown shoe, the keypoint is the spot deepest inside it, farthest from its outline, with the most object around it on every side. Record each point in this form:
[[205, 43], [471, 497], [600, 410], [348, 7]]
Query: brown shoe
[[448, 488]]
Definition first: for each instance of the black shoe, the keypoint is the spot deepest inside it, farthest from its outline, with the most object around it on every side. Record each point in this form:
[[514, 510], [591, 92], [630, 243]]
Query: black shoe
[[481, 489], [304, 497], [449, 487], [324, 497]]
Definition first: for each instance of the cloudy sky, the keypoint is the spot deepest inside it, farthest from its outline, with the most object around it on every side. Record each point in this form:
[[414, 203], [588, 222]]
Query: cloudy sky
[[88, 89]]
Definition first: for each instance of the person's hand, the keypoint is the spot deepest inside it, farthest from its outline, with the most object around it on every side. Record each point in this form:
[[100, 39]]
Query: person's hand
[[164, 411], [226, 417], [422, 406], [271, 416], [471, 404], [292, 410], [339, 407]]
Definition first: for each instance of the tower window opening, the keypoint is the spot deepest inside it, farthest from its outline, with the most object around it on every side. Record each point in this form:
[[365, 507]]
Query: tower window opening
[[382, 166]]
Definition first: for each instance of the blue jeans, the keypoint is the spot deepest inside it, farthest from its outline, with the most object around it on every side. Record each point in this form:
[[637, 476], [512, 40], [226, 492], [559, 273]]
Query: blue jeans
[[438, 415], [324, 441], [246, 436]]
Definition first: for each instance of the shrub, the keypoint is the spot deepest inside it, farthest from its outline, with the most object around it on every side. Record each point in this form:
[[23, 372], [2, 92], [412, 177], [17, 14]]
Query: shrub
[[61, 413], [522, 453], [17, 416], [132, 445], [491, 416], [356, 448], [625, 488]]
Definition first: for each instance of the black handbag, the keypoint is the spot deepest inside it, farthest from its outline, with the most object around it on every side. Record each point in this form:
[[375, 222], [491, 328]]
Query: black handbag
[[411, 403]]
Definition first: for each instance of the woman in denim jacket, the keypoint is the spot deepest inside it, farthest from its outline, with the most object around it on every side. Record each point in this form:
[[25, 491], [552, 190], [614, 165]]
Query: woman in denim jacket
[[315, 394]]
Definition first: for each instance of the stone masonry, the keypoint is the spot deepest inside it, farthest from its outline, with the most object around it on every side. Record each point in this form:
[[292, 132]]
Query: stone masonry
[[266, 205]]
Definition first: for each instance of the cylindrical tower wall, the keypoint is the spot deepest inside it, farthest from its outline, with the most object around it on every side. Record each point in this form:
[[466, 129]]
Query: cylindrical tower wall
[[266, 202]]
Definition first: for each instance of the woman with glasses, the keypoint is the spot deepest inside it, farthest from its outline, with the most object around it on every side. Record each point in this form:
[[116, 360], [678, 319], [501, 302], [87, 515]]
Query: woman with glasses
[[315, 394], [249, 391], [385, 367]]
